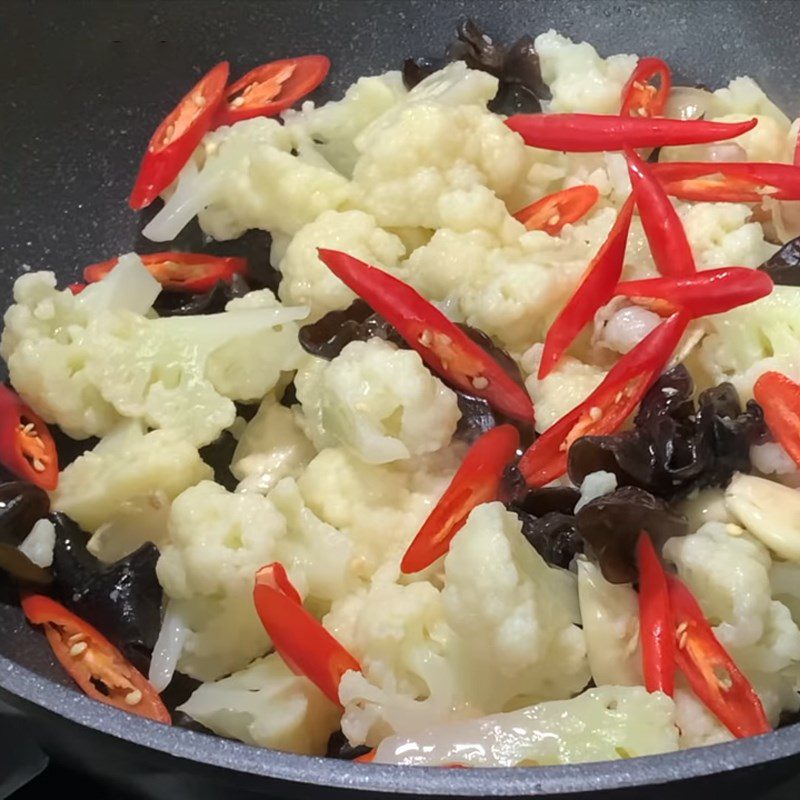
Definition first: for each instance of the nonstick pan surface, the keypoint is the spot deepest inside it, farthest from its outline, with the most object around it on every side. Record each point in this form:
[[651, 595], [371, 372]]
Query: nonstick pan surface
[[84, 84]]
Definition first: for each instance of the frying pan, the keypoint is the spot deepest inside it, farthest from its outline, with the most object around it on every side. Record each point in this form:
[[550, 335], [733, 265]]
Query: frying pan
[[84, 84]]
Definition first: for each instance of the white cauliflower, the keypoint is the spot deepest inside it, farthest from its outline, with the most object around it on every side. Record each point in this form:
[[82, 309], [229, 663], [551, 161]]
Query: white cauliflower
[[272, 446], [334, 126], [378, 400], [86, 369], [379, 507], [697, 726], [744, 96], [217, 541], [307, 281], [568, 385], [512, 615], [266, 705], [122, 489], [579, 79], [729, 574], [610, 619], [603, 724], [245, 176], [752, 339]]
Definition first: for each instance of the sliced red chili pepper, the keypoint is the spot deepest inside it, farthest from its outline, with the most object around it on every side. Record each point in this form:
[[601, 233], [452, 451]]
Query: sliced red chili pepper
[[709, 669], [728, 181], [269, 89], [176, 138], [447, 350], [779, 396], [711, 291], [367, 757], [662, 225], [476, 481], [639, 98], [76, 288], [552, 213], [595, 289], [608, 406], [178, 272], [92, 661], [595, 133], [656, 629], [26, 446], [306, 647]]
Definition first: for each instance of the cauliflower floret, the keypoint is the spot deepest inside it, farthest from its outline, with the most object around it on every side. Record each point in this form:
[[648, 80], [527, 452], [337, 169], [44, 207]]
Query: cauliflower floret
[[568, 385], [272, 446], [217, 541], [378, 400], [578, 78], [86, 368], [729, 575], [511, 613], [610, 619], [602, 724], [334, 126], [266, 705], [379, 507], [744, 96], [245, 176], [439, 166], [697, 726], [307, 281], [121, 491], [752, 339]]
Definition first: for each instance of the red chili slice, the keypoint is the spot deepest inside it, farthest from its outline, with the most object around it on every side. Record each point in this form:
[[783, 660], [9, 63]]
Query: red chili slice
[[608, 406], [269, 89], [177, 137], [779, 396], [552, 213], [660, 220], [639, 98], [76, 288], [594, 290], [711, 291], [447, 350], [179, 272], [93, 662], [656, 629], [306, 647], [26, 446], [597, 133], [709, 669], [476, 481]]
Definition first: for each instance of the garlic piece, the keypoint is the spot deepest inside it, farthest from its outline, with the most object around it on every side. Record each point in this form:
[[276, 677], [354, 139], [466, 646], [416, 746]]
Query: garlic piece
[[769, 510]]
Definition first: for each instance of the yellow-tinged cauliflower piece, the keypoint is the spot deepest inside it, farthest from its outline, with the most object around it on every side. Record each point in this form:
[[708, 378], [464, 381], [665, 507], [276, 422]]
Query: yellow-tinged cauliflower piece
[[272, 446], [729, 573], [307, 281], [122, 489], [579, 79], [86, 366], [511, 612], [750, 340], [246, 176], [602, 724], [334, 126], [379, 507], [434, 159], [568, 385], [378, 400], [266, 705]]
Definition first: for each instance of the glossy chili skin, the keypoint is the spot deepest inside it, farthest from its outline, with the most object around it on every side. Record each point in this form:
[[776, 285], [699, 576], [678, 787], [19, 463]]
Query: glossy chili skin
[[477, 481], [594, 133], [446, 349], [779, 397], [639, 98], [306, 647], [656, 628], [595, 289], [551, 213]]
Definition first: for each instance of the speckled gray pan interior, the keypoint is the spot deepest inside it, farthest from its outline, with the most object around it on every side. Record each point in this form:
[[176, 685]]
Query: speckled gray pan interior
[[83, 85]]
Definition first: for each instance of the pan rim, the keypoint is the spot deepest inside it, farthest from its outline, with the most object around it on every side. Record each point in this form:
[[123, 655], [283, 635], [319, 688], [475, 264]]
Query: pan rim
[[238, 757]]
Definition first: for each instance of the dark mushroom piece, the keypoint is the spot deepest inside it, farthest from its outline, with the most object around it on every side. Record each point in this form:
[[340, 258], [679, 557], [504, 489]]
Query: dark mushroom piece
[[784, 266], [21, 506]]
